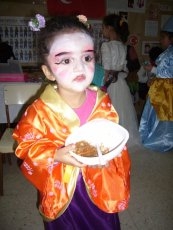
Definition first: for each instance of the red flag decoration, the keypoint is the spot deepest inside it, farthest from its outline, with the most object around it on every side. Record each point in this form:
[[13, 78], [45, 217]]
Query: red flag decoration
[[91, 9]]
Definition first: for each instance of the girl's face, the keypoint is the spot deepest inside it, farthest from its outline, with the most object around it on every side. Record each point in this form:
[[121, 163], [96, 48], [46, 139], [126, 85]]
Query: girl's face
[[165, 40], [71, 61]]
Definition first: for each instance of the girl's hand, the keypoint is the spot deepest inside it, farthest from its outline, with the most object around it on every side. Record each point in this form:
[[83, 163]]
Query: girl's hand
[[100, 166], [63, 155]]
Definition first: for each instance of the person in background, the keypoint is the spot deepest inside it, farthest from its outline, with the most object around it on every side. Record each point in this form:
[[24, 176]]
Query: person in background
[[156, 124], [114, 61], [148, 71], [72, 195], [6, 52], [147, 48], [133, 65]]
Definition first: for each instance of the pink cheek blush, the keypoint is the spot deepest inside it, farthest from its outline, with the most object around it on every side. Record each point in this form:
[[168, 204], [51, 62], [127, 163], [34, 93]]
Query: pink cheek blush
[[54, 69]]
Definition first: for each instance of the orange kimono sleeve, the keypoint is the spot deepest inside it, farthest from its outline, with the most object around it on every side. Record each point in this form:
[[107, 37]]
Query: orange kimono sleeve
[[36, 145]]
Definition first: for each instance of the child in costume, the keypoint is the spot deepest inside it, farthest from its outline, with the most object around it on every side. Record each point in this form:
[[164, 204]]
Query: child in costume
[[114, 54], [71, 195], [156, 125]]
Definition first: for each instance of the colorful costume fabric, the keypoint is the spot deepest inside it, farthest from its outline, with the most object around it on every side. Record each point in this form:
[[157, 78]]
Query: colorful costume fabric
[[156, 125], [69, 195]]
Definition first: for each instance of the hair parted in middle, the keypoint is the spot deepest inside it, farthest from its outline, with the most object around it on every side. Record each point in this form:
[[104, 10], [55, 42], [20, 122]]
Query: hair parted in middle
[[120, 26], [59, 25]]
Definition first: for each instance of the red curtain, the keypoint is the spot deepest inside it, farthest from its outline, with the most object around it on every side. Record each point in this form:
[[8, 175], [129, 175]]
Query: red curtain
[[93, 9]]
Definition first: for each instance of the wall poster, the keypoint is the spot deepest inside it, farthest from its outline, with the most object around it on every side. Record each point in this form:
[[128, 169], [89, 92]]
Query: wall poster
[[16, 32], [126, 5], [96, 26], [147, 45], [151, 28]]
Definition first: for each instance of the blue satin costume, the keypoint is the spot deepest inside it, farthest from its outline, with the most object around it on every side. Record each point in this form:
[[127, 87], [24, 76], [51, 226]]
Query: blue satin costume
[[156, 124]]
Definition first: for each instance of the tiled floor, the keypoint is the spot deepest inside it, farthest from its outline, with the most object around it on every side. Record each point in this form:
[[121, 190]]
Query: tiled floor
[[151, 204]]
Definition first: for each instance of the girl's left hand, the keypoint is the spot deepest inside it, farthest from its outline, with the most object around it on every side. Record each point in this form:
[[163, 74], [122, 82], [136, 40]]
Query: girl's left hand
[[63, 155]]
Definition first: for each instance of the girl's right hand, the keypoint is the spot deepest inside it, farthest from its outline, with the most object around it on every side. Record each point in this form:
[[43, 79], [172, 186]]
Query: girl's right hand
[[63, 155]]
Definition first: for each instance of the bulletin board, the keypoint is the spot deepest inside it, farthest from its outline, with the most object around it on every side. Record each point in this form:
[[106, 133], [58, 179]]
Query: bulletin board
[[96, 27], [16, 32]]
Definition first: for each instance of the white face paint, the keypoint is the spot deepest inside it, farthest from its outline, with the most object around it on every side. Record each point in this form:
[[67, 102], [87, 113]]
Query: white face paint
[[71, 60]]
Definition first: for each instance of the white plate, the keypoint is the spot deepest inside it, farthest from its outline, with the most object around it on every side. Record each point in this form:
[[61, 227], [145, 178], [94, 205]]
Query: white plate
[[100, 132]]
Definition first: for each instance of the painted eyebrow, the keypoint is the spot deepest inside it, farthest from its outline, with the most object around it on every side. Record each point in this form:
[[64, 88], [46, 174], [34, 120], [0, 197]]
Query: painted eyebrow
[[64, 53]]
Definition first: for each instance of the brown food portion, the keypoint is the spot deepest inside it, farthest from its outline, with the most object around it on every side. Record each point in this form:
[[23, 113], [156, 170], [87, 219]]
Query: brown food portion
[[83, 148]]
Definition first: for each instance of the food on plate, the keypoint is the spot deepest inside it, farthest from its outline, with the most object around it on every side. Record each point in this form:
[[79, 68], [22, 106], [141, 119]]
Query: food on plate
[[83, 148]]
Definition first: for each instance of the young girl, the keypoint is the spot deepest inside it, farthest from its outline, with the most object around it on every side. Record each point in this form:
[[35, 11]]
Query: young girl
[[156, 125], [114, 53], [71, 195]]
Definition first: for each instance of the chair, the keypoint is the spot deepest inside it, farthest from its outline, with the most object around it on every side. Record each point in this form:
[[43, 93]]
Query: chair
[[20, 95], [15, 66]]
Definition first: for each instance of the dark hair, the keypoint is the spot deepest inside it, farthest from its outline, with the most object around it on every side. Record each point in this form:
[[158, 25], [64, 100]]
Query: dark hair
[[154, 52], [59, 25], [120, 27], [133, 63], [169, 34]]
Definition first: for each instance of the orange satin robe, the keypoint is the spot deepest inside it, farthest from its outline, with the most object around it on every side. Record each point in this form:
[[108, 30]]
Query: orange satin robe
[[44, 128]]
